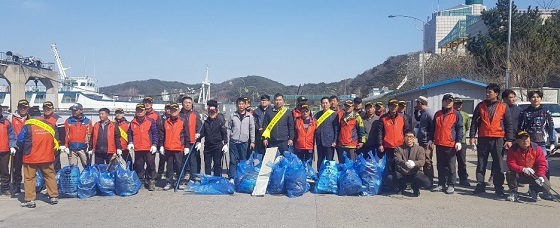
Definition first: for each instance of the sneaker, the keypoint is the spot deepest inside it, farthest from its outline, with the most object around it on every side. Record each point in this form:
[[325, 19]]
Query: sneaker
[[163, 177], [16, 191], [44, 191], [500, 193], [53, 201], [232, 181], [30, 204], [450, 190], [415, 192], [479, 189], [534, 195], [182, 187], [464, 183], [152, 186], [167, 187], [547, 196], [7, 193], [439, 188], [513, 196]]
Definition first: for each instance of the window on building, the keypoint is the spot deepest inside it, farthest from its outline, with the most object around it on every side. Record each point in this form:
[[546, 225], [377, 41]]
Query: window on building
[[2, 97]]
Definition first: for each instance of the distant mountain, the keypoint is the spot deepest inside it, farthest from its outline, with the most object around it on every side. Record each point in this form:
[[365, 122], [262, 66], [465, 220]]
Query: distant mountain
[[253, 86]]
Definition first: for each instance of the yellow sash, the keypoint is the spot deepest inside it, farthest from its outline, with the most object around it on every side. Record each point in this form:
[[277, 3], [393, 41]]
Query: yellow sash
[[324, 116], [45, 127], [279, 114], [123, 134]]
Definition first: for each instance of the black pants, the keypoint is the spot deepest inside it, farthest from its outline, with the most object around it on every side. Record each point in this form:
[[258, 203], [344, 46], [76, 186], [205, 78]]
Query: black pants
[[213, 154], [173, 158], [513, 179], [493, 147], [17, 159], [350, 153], [57, 165], [282, 145], [418, 180], [103, 158], [128, 158], [304, 155], [428, 168], [446, 158], [161, 163], [145, 158], [389, 182], [324, 153], [5, 170], [462, 163]]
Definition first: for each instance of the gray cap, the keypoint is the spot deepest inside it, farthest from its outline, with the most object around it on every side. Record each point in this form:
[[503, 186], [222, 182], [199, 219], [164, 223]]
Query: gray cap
[[76, 106]]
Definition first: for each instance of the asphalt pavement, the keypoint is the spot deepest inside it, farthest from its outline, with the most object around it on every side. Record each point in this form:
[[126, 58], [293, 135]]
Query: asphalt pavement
[[171, 209]]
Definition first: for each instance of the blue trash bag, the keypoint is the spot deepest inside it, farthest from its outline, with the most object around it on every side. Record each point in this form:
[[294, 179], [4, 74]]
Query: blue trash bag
[[106, 181], [310, 173], [295, 177], [276, 181], [211, 185], [349, 182], [328, 178], [87, 186], [371, 172], [127, 182], [245, 177], [39, 181], [67, 180]]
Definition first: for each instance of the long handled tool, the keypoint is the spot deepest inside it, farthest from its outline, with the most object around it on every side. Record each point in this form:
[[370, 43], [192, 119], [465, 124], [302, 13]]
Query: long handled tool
[[546, 186], [187, 160], [12, 169]]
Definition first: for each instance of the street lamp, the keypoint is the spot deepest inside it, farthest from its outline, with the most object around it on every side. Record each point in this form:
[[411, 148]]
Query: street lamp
[[422, 30], [508, 63]]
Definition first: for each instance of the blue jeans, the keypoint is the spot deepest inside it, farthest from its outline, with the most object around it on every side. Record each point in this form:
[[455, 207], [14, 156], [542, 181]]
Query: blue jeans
[[237, 152]]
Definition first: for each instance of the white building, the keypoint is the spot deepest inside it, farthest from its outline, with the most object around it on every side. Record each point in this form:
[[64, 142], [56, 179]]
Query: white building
[[447, 28]]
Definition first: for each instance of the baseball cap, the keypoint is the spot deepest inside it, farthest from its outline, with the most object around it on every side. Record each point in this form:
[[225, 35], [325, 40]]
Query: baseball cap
[[379, 103], [392, 102], [348, 103], [357, 100], [48, 104], [76, 106], [23, 103], [212, 103], [447, 97], [167, 106], [402, 102], [369, 103], [140, 106], [457, 100], [301, 98], [423, 100], [119, 111], [265, 97], [148, 99], [174, 106], [246, 99], [304, 107], [521, 134]]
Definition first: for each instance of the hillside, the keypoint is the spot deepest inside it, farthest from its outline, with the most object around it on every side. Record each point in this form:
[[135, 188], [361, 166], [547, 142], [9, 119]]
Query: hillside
[[384, 74]]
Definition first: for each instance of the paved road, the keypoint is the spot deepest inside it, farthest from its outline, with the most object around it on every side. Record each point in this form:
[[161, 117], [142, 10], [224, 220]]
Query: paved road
[[166, 209]]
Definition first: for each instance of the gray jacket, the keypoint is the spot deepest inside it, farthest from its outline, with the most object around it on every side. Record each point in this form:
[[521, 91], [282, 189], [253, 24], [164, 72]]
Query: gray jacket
[[241, 131]]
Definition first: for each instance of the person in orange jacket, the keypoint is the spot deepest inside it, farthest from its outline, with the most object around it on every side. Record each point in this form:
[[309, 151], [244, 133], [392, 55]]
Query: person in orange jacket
[[143, 139], [175, 142], [78, 129], [123, 125], [38, 141], [7, 149], [105, 139], [305, 127], [18, 119], [53, 119], [352, 134]]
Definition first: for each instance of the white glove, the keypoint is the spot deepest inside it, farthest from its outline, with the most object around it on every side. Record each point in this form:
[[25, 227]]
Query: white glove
[[552, 147], [186, 151], [119, 152], [430, 144], [12, 150], [197, 135], [153, 149], [457, 147], [225, 148], [162, 150], [198, 145], [540, 181], [90, 152], [130, 146], [410, 164], [64, 149], [528, 171]]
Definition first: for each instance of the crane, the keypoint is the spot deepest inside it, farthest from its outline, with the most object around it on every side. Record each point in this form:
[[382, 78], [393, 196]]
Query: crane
[[204, 91], [61, 69]]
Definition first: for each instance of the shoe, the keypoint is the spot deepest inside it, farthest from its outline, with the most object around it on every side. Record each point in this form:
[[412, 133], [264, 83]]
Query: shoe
[[399, 192], [534, 195], [450, 190], [7, 193], [167, 187], [162, 177], [500, 193], [547, 196], [53, 201], [182, 187], [520, 185], [232, 181], [479, 189], [44, 191], [16, 191], [415, 192], [30, 204], [464, 183], [439, 188], [490, 181], [513, 196]]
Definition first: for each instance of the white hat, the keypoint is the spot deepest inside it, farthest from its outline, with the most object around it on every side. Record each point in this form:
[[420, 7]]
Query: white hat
[[422, 100]]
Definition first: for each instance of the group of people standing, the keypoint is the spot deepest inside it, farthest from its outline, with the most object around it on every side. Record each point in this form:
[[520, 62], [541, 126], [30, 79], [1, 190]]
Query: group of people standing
[[496, 128]]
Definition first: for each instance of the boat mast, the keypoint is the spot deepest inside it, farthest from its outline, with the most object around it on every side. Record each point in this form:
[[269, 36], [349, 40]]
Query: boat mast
[[61, 69]]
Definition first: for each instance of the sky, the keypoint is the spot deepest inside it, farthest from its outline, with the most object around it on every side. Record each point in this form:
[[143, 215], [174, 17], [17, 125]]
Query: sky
[[290, 41]]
